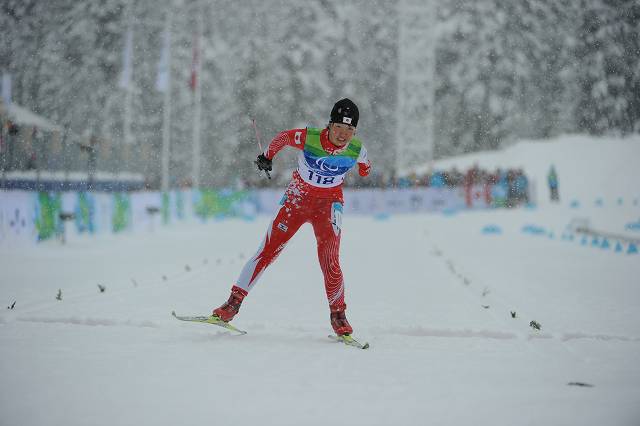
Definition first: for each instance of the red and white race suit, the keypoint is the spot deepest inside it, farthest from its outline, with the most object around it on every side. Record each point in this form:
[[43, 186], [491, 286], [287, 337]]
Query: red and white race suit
[[306, 201]]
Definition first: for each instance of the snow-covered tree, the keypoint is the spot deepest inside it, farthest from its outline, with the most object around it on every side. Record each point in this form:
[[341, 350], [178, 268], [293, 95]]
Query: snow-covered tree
[[503, 70], [608, 54]]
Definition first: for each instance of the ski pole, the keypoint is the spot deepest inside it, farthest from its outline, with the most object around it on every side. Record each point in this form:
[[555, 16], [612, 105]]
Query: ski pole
[[255, 127]]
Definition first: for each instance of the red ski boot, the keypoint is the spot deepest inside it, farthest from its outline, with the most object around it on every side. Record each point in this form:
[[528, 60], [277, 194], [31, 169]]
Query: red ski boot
[[230, 308], [339, 321]]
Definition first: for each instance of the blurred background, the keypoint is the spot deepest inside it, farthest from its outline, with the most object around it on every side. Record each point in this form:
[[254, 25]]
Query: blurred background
[[163, 92]]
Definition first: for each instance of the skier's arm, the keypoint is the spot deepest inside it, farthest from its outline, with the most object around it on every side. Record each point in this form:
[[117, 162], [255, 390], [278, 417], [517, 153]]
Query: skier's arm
[[364, 165], [294, 137]]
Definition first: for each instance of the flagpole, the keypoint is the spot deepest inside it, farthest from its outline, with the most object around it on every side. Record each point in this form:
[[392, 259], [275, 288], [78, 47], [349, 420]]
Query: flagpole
[[126, 83], [166, 124], [126, 148], [127, 115], [197, 100]]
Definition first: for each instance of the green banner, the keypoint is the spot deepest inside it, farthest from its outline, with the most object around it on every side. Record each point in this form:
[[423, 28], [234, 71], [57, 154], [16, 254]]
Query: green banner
[[48, 222], [166, 207], [213, 203], [121, 211]]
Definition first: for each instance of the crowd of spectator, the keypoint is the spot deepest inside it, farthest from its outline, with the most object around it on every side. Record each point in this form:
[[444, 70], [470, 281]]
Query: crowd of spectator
[[499, 188]]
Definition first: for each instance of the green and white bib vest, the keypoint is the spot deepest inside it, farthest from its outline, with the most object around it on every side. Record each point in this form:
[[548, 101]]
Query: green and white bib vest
[[319, 168]]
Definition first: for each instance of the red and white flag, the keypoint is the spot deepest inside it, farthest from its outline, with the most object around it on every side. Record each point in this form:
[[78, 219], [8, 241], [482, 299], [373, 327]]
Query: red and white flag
[[195, 62]]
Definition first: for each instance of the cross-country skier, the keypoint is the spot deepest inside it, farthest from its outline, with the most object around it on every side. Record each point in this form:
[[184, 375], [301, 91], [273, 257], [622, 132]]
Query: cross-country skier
[[314, 195]]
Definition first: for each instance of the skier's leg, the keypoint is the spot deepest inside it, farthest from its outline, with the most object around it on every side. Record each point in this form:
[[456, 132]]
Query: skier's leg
[[285, 224], [327, 225]]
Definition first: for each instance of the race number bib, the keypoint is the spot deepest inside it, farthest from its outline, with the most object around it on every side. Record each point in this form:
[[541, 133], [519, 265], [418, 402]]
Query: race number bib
[[321, 173]]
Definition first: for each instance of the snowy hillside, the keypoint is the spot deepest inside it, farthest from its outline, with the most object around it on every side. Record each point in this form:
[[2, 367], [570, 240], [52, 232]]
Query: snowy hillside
[[445, 305], [588, 168]]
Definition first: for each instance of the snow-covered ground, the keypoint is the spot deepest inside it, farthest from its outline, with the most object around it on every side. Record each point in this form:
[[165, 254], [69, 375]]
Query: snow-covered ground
[[432, 294]]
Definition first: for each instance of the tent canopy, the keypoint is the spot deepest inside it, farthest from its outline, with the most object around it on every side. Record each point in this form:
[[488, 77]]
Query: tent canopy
[[23, 116]]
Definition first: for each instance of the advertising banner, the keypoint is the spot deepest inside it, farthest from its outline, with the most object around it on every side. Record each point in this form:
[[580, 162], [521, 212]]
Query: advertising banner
[[37, 216], [146, 210], [17, 218]]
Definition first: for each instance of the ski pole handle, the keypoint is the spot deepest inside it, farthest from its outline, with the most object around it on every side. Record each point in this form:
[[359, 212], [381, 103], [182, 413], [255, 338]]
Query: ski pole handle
[[255, 128], [264, 164]]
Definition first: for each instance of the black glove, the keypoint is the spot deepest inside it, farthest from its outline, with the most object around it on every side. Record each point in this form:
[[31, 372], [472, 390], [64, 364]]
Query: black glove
[[263, 163]]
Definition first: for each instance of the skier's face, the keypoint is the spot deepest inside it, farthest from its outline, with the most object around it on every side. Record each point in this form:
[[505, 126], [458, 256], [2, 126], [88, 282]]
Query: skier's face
[[341, 134]]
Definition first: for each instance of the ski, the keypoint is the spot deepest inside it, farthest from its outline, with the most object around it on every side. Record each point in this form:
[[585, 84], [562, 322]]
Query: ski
[[349, 341], [212, 319]]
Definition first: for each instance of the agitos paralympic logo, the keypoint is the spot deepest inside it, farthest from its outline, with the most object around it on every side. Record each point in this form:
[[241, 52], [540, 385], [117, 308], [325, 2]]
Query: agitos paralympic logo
[[324, 166]]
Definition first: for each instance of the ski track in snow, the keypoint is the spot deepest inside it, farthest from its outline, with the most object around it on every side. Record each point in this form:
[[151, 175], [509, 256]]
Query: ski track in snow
[[93, 322], [498, 335], [415, 331]]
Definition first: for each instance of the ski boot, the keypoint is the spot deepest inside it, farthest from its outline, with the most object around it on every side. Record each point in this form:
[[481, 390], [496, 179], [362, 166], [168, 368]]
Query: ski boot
[[339, 321], [230, 308]]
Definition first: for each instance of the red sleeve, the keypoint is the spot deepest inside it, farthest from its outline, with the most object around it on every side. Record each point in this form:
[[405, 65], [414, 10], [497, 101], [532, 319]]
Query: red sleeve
[[294, 137]]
